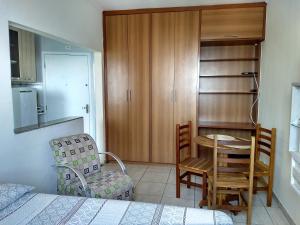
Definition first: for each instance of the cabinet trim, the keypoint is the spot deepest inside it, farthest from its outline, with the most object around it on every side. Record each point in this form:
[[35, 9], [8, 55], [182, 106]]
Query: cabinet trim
[[180, 9]]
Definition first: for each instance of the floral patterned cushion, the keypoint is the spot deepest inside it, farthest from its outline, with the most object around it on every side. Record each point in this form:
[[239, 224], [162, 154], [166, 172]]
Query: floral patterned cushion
[[10, 193], [108, 185]]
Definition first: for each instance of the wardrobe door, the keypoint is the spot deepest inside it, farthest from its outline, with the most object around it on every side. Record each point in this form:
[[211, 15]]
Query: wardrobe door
[[117, 85], [162, 87], [139, 86], [186, 67]]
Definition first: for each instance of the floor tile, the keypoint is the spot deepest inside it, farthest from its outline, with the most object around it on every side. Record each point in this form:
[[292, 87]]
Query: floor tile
[[198, 196], [135, 182], [172, 177], [185, 193], [135, 174], [263, 198], [156, 183], [277, 216], [136, 166], [259, 216], [148, 198], [256, 200], [156, 177], [150, 188], [177, 202], [159, 168]]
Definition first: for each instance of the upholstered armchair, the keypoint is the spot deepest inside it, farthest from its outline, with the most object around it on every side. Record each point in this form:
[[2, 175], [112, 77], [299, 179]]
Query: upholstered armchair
[[79, 170]]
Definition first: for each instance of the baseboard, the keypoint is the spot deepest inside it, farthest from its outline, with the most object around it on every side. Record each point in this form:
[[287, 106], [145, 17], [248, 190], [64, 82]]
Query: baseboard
[[285, 212]]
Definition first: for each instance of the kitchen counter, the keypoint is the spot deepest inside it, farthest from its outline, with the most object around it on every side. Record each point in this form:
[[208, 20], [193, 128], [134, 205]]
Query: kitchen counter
[[46, 124]]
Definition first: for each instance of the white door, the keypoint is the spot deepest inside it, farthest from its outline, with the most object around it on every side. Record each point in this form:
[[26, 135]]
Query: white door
[[67, 87]]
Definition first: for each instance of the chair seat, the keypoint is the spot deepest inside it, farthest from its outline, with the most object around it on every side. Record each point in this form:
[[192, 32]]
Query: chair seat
[[107, 185], [227, 180], [260, 169], [196, 165]]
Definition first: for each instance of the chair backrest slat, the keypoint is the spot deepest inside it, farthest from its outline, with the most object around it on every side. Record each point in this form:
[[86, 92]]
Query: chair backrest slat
[[264, 130], [264, 137], [265, 143], [186, 126], [184, 146], [183, 140], [261, 142], [233, 161], [263, 150], [234, 157], [232, 151], [224, 169]]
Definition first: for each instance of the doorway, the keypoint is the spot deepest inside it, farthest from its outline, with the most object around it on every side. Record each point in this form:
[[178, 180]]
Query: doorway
[[67, 86]]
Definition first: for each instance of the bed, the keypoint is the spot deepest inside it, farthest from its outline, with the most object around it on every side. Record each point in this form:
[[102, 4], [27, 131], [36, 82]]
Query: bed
[[36, 208]]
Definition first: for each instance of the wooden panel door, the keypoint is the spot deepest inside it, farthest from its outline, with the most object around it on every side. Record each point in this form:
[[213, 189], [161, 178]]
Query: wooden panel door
[[163, 30], [186, 67], [233, 23], [139, 86], [117, 85]]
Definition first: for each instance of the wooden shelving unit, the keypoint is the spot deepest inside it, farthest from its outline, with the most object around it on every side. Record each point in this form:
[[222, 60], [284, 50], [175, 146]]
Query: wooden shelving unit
[[226, 125], [225, 93], [227, 76], [229, 60], [228, 92]]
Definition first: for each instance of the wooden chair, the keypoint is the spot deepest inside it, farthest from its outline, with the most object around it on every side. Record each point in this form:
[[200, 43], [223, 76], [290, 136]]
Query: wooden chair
[[186, 163], [264, 160], [228, 178]]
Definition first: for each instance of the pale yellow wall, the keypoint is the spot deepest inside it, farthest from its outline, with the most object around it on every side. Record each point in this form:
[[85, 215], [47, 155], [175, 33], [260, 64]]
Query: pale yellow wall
[[281, 67]]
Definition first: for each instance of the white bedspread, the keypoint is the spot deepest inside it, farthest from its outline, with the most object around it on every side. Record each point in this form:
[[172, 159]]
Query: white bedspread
[[53, 209]]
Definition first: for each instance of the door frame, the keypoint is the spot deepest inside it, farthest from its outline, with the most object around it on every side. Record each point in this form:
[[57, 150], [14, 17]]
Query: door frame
[[92, 123]]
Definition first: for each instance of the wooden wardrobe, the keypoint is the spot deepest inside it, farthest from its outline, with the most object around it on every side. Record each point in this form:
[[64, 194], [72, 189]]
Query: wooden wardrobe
[[152, 69]]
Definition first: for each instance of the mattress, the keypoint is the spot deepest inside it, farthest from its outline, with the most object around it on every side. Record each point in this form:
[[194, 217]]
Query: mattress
[[33, 208]]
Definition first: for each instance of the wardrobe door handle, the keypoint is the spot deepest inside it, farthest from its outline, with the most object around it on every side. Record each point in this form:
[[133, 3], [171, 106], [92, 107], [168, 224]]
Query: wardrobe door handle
[[231, 36], [130, 95]]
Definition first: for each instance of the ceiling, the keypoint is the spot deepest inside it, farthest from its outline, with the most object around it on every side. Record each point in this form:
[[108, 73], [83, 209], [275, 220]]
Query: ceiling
[[135, 4]]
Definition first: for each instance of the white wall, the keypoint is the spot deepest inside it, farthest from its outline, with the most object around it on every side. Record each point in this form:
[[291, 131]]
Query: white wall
[[28, 159], [281, 67], [22, 158]]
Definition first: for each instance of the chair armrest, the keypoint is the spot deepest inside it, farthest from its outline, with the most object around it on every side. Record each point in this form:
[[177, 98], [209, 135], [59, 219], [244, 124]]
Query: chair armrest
[[79, 175], [121, 164]]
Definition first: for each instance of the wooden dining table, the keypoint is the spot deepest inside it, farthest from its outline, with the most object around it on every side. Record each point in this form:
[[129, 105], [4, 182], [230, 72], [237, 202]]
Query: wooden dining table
[[208, 143]]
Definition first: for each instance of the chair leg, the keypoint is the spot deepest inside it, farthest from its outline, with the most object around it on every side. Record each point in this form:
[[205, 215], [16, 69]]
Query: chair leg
[[188, 180], [249, 206], [177, 182], [204, 186], [255, 185], [209, 197], [269, 192]]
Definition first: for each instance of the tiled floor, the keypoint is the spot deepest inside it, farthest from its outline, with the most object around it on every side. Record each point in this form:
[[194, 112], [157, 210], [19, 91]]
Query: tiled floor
[[156, 183]]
